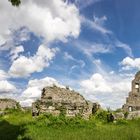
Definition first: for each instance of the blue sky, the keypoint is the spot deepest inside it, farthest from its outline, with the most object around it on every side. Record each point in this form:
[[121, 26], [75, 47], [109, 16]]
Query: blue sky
[[91, 46]]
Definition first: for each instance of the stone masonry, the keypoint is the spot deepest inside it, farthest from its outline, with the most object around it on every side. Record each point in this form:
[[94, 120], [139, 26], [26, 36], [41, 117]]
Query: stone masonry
[[133, 101], [8, 104], [56, 101]]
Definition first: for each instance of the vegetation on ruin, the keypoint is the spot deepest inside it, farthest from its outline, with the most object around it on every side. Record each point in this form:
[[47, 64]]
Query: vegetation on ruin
[[20, 125]]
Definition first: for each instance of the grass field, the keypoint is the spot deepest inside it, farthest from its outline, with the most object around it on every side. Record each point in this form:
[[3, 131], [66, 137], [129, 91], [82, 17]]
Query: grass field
[[19, 125]]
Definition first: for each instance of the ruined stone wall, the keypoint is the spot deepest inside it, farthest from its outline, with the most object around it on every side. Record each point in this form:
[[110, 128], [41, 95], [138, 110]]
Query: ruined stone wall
[[8, 104], [58, 101], [133, 101]]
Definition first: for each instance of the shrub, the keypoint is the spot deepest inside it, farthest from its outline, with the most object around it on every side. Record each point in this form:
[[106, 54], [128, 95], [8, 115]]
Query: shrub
[[101, 115], [110, 117], [121, 122], [126, 114]]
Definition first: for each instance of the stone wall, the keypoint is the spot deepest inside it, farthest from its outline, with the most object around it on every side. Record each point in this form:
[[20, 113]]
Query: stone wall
[[58, 101], [133, 115], [133, 101], [8, 104]]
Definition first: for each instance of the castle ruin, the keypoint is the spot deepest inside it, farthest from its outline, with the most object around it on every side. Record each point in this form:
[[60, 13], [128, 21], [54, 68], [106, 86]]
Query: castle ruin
[[133, 101], [8, 104], [56, 101]]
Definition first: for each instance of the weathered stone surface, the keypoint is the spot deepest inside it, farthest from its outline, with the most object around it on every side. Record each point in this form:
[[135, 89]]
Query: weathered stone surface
[[8, 104], [56, 100], [118, 115], [133, 101], [133, 115]]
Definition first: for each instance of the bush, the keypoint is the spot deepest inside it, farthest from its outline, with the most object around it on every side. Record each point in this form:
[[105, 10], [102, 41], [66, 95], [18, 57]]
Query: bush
[[101, 115], [126, 114], [110, 117], [121, 122]]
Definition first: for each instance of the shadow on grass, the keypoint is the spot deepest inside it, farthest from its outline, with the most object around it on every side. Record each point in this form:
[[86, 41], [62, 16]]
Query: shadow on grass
[[11, 132]]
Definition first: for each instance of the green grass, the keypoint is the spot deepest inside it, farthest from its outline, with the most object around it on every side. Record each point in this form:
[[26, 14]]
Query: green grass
[[19, 125]]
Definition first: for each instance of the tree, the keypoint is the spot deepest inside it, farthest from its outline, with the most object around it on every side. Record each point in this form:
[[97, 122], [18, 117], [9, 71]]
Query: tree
[[15, 2]]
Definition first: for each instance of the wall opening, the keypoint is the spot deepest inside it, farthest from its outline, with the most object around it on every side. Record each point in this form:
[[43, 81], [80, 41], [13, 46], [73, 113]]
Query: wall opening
[[137, 86], [130, 109]]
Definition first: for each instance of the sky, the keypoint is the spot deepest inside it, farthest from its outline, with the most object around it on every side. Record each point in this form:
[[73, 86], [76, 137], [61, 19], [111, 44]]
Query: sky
[[92, 46]]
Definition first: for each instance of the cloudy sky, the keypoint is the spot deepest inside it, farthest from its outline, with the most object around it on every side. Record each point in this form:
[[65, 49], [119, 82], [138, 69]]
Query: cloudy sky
[[93, 46]]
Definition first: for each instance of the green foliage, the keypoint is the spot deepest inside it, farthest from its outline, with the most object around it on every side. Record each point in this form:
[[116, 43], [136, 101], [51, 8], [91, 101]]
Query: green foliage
[[122, 122], [110, 117], [19, 125], [15, 2], [37, 104], [18, 106], [126, 114], [62, 111], [101, 115], [118, 110]]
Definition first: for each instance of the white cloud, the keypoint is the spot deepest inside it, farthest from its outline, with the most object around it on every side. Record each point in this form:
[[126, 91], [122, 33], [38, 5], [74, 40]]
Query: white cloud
[[24, 66], [110, 90], [107, 87], [83, 4], [48, 19], [129, 63], [97, 48], [21, 35], [6, 87], [15, 51], [67, 56], [90, 49], [97, 24], [96, 84], [3, 75], [34, 87], [124, 46], [26, 102]]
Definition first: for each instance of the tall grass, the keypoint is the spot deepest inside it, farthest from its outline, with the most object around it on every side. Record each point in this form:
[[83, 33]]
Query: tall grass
[[21, 126]]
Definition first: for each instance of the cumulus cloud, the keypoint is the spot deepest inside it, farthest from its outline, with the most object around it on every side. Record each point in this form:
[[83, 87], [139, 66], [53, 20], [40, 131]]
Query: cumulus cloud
[[109, 90], [6, 87], [15, 51], [34, 87], [3, 75], [129, 63], [106, 86], [48, 19], [96, 84], [24, 66]]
